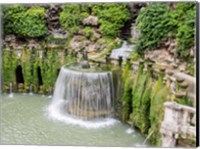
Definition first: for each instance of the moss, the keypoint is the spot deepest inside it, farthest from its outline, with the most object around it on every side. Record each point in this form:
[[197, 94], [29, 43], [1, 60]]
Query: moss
[[160, 94], [26, 69], [141, 100], [35, 75], [185, 101], [9, 67]]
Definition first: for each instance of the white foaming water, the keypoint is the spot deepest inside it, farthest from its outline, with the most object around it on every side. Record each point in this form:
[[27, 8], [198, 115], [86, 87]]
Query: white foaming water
[[129, 131], [11, 95], [82, 98], [123, 51], [55, 112]]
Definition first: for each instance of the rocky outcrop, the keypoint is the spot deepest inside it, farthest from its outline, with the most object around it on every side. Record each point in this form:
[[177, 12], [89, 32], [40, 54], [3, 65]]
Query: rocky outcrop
[[91, 20], [52, 17]]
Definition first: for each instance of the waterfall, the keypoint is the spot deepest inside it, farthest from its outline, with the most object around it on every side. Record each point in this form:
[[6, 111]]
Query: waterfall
[[123, 51], [31, 89], [10, 90], [84, 98]]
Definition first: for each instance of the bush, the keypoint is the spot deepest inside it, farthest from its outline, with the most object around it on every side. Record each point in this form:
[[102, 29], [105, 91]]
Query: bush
[[111, 17], [25, 22], [158, 21], [10, 16], [186, 31], [71, 16], [152, 24]]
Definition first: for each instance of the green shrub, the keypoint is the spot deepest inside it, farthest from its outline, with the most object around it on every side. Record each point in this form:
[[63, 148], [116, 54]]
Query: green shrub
[[88, 31], [112, 17], [23, 21], [151, 22], [71, 16], [186, 31], [158, 21], [10, 16]]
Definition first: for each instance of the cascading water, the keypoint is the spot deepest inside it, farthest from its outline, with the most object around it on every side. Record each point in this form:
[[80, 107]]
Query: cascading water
[[83, 96], [123, 51], [10, 90], [31, 89]]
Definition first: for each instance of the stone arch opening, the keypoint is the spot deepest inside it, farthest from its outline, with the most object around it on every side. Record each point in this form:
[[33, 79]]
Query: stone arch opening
[[40, 81], [19, 75]]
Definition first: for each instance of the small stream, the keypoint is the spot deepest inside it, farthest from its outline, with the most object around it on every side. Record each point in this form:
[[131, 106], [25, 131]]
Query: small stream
[[24, 120]]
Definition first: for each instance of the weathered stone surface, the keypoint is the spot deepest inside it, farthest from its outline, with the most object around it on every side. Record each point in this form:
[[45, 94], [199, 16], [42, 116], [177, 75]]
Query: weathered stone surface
[[178, 123], [91, 20], [9, 38]]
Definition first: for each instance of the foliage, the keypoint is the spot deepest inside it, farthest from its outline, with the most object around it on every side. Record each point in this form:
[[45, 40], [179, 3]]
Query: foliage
[[9, 67], [185, 101], [6, 67], [141, 101], [10, 16], [158, 21], [112, 17], [26, 69], [158, 97], [127, 92], [186, 31], [134, 56], [23, 21], [151, 22], [71, 16], [88, 32], [35, 75]]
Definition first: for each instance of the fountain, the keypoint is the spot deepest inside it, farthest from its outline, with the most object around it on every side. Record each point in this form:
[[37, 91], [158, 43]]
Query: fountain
[[31, 89], [10, 90], [124, 51], [83, 95]]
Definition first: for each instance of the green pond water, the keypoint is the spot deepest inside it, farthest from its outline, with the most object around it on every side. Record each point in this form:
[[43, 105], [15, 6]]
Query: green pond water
[[24, 121]]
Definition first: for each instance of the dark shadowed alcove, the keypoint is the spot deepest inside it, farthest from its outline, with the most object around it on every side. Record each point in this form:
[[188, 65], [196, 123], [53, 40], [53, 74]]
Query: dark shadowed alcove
[[40, 82], [19, 75]]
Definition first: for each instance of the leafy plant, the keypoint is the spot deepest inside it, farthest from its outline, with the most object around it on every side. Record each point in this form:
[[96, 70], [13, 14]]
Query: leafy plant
[[22, 21], [153, 27], [10, 17], [158, 21], [71, 16], [186, 30], [112, 17]]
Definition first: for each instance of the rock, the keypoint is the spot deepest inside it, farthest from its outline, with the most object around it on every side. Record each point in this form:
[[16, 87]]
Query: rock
[[96, 35], [118, 40], [180, 94], [91, 20], [9, 38], [183, 85]]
